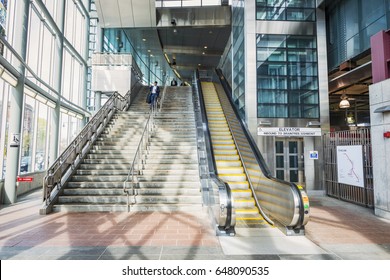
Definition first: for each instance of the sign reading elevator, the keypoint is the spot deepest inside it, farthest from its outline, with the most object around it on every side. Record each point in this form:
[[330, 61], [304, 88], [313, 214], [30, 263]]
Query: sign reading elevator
[[289, 131]]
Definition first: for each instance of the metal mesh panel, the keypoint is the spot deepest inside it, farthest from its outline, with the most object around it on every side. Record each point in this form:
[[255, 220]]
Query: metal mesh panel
[[358, 195]]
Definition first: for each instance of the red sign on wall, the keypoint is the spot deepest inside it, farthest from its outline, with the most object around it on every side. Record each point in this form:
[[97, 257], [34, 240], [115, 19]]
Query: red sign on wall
[[25, 179]]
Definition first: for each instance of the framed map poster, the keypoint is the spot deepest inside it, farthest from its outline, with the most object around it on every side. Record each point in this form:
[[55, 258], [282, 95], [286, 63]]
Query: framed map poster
[[350, 165]]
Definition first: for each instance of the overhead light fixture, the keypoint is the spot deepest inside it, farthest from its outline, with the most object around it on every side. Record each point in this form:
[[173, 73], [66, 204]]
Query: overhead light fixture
[[51, 104], [344, 103], [80, 117], [63, 110], [41, 99], [30, 92], [8, 77]]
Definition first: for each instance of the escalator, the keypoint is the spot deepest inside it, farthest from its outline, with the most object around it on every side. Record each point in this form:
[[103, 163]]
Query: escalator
[[228, 161], [259, 199]]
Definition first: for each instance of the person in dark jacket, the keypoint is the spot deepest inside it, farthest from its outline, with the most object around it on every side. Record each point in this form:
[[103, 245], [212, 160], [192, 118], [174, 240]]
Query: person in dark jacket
[[154, 93]]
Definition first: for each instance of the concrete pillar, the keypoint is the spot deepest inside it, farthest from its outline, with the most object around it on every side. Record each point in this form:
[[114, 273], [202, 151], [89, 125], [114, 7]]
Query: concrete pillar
[[380, 123], [57, 79], [16, 103]]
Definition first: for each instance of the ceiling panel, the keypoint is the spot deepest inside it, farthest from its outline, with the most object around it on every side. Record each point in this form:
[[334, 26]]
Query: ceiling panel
[[126, 13]]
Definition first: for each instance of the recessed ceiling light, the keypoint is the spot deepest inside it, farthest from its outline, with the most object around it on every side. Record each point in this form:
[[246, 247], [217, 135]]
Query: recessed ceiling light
[[149, 50], [143, 39], [205, 47]]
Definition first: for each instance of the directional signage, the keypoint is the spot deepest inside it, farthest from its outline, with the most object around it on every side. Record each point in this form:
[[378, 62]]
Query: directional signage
[[289, 131]]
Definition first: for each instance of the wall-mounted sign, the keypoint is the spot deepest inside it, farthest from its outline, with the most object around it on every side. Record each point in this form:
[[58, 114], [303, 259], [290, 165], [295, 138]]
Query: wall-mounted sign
[[15, 140], [350, 165], [313, 154], [24, 179], [289, 131]]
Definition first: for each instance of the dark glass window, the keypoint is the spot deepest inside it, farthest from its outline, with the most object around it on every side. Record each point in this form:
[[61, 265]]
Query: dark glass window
[[293, 10], [287, 76]]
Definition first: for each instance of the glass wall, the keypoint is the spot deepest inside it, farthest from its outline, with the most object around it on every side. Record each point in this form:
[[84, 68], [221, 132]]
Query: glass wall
[[116, 41], [350, 24], [42, 57], [186, 3], [293, 10], [287, 83]]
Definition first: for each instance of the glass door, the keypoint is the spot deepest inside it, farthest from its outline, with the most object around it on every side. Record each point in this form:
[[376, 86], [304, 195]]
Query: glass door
[[289, 165]]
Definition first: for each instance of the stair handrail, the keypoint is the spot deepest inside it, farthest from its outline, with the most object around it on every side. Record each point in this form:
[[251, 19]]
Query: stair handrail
[[143, 145], [224, 212], [299, 193], [65, 165], [162, 99]]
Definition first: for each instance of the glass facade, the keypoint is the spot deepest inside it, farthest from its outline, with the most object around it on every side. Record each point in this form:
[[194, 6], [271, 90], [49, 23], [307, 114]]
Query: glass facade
[[287, 76], [45, 62], [116, 41], [238, 89], [293, 10], [350, 24], [186, 3]]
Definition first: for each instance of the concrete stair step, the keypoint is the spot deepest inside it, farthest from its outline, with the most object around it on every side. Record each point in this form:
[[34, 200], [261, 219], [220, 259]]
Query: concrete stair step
[[112, 147], [192, 208], [141, 191], [158, 172], [122, 199], [168, 178], [128, 152], [141, 185], [114, 161]]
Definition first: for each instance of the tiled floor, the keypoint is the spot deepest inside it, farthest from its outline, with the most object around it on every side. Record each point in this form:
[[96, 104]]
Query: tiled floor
[[337, 230]]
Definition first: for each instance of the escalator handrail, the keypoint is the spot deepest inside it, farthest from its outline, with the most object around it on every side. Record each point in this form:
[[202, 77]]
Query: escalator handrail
[[259, 158]]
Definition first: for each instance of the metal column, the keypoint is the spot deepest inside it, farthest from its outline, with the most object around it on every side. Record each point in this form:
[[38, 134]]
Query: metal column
[[58, 62], [16, 102]]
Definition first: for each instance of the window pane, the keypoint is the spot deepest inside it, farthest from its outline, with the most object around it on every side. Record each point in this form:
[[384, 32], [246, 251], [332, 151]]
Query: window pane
[[279, 147], [293, 175], [279, 161], [280, 174], [28, 135], [40, 155]]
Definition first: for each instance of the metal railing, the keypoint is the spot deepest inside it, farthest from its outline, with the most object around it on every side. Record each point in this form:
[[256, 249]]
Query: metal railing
[[65, 165], [139, 159], [363, 192]]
